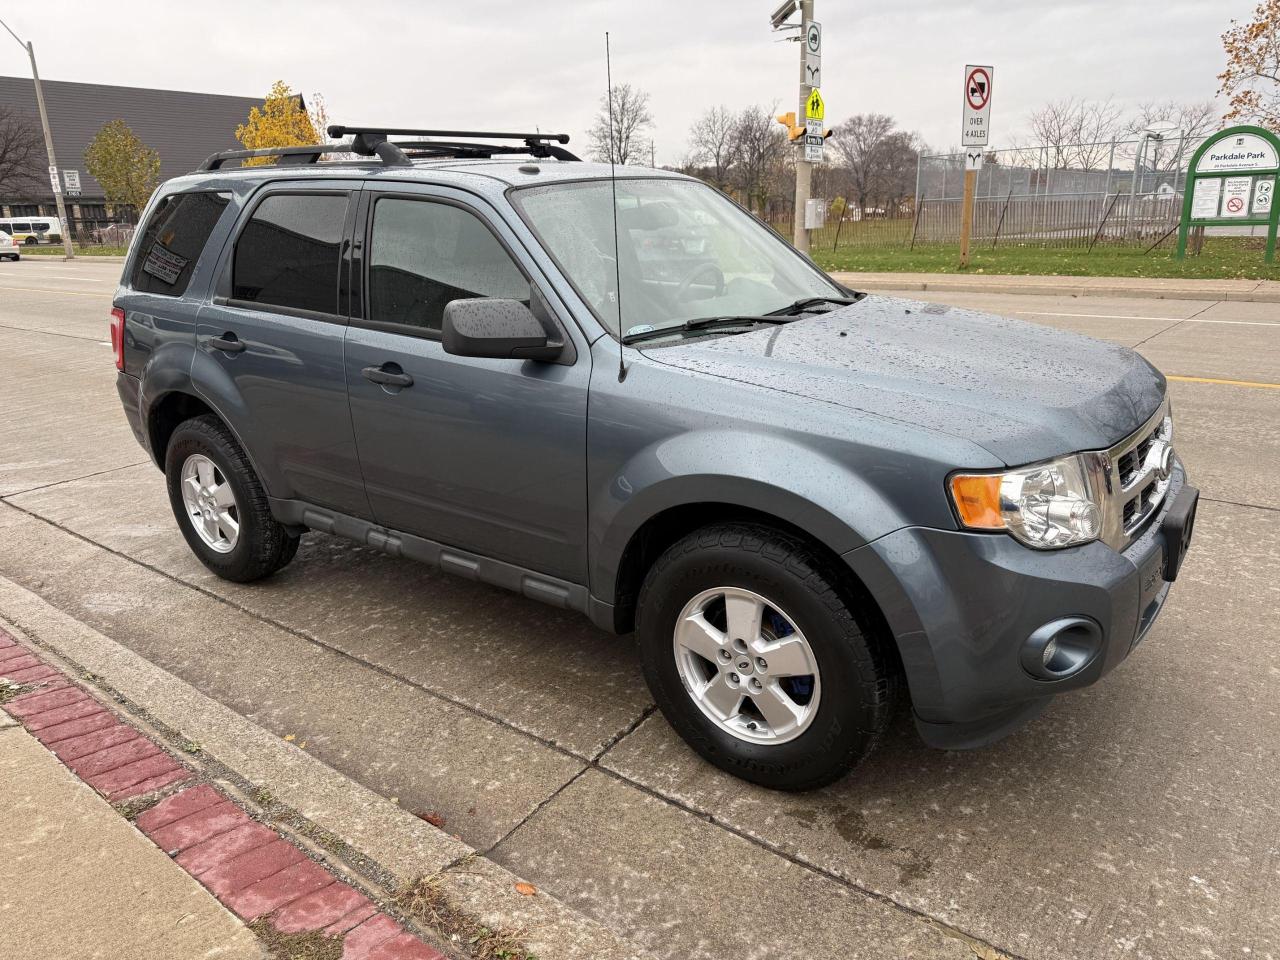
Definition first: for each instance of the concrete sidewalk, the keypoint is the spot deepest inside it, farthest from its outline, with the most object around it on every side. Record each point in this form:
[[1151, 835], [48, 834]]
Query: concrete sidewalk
[[1255, 291], [77, 880]]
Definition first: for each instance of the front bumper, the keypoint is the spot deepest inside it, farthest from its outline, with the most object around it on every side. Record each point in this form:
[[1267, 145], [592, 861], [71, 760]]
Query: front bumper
[[962, 605]]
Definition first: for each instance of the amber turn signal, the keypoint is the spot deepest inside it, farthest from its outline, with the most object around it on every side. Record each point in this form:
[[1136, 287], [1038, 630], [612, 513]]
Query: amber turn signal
[[977, 500]]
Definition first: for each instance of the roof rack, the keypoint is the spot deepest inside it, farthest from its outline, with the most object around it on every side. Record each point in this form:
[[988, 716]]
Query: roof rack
[[372, 141], [540, 145]]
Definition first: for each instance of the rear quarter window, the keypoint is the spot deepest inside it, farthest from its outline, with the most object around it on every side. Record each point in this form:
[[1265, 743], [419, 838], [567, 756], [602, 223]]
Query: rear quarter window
[[170, 245]]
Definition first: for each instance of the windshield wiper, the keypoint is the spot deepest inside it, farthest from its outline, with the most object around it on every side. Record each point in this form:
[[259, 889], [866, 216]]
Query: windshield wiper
[[805, 302], [702, 323]]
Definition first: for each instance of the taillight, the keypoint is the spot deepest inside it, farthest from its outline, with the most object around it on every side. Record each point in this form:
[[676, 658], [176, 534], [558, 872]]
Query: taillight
[[117, 336]]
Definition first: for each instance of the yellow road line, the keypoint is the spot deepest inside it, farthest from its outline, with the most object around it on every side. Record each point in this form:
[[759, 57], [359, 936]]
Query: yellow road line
[[57, 293], [1229, 383]]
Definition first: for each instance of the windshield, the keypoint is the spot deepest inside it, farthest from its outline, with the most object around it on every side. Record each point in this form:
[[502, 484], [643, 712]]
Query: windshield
[[684, 252]]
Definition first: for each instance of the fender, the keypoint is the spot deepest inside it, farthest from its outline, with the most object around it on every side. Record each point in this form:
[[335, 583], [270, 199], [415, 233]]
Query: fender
[[822, 496]]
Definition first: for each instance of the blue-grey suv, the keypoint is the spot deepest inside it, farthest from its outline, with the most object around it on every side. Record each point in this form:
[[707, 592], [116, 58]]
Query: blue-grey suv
[[630, 398]]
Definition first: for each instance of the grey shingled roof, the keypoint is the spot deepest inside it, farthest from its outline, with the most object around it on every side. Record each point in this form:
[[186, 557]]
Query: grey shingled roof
[[182, 127]]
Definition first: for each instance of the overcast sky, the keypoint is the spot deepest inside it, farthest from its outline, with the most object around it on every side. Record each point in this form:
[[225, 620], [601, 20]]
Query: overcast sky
[[506, 64]]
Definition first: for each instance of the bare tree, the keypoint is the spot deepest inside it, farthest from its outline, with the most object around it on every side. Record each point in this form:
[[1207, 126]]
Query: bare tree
[[1077, 132], [21, 152], [758, 148], [895, 166], [631, 120], [1195, 121], [857, 142], [711, 143]]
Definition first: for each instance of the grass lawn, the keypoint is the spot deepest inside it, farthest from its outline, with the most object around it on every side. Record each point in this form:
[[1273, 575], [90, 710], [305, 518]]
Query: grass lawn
[[85, 250], [1222, 258]]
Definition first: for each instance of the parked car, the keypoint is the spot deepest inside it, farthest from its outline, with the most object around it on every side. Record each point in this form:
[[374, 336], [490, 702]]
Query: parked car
[[9, 249], [32, 230], [805, 501]]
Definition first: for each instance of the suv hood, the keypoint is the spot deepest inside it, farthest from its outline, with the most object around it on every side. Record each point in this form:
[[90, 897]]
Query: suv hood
[[1022, 391]]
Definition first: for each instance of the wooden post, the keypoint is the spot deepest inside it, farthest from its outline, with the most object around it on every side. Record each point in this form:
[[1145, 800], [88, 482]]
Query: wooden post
[[966, 215], [1000, 222], [1103, 222]]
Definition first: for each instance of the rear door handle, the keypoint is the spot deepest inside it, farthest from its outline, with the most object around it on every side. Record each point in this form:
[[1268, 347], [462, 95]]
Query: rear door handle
[[389, 375], [227, 343]]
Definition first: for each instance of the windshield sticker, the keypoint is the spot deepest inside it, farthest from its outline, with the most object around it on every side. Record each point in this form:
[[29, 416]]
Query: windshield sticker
[[164, 264], [639, 328]]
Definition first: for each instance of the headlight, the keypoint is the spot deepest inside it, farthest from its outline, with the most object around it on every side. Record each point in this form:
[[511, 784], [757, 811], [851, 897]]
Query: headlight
[[1046, 506]]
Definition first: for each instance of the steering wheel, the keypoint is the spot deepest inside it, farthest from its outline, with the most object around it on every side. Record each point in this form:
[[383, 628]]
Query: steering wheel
[[682, 290]]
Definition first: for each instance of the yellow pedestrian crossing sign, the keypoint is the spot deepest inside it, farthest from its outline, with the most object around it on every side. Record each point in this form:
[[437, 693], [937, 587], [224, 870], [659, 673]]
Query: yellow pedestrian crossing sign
[[814, 108]]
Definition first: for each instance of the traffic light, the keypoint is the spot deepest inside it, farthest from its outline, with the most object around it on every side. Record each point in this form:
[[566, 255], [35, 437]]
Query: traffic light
[[788, 120]]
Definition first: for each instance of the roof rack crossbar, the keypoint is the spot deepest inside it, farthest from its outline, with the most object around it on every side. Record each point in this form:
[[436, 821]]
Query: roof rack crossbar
[[425, 149], [338, 130]]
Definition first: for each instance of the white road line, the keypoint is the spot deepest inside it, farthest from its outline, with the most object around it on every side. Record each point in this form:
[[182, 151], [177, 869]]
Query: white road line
[[1121, 316], [72, 276]]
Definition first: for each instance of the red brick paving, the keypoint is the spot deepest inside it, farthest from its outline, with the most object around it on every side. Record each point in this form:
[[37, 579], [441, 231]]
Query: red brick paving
[[203, 857], [247, 866], [176, 807], [320, 909], [131, 751], [280, 889], [75, 747], [176, 775], [202, 825], [75, 728]]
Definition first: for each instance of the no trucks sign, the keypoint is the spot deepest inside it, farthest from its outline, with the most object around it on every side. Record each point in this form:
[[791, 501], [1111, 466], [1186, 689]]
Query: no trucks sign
[[975, 130]]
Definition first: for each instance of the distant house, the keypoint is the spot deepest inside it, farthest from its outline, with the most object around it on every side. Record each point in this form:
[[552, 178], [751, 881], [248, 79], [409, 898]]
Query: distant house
[[184, 128]]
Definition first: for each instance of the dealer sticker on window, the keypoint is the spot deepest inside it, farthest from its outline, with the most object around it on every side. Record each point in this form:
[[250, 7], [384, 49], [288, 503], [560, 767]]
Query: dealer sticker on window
[[163, 263]]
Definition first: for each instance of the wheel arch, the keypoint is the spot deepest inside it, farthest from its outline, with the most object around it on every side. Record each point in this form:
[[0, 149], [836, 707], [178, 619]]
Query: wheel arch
[[665, 528]]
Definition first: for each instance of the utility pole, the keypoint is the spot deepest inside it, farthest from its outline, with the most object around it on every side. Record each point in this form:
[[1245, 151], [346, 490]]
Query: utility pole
[[812, 111], [54, 179], [804, 169]]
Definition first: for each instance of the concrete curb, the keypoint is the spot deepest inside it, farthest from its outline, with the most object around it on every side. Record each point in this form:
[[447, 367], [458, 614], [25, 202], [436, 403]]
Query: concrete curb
[[1248, 291], [389, 846], [59, 258]]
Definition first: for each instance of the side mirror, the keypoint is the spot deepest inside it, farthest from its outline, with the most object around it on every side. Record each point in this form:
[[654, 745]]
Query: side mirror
[[502, 329]]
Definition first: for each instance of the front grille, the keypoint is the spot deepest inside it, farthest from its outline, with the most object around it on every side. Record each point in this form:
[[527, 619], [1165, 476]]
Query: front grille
[[1135, 479]]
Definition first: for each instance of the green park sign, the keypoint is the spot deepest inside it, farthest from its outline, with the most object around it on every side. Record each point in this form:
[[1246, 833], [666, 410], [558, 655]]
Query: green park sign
[[1231, 183]]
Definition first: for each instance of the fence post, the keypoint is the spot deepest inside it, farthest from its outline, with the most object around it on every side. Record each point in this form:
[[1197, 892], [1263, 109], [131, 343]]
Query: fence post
[[1000, 222], [915, 223]]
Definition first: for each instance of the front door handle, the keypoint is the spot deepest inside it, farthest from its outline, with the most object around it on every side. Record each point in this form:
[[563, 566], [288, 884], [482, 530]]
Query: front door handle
[[389, 375], [227, 343]]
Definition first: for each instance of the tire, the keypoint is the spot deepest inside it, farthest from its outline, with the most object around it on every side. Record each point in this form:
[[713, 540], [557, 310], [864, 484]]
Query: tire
[[854, 686], [261, 545]]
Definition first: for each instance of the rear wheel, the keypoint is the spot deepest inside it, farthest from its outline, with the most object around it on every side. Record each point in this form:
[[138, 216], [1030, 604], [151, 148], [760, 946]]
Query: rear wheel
[[753, 652], [220, 504]]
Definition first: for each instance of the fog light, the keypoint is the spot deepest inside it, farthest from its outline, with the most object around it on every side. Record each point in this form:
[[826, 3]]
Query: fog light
[[1061, 648]]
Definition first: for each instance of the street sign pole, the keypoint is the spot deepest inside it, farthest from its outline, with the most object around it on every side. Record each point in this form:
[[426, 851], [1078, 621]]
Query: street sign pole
[[804, 169], [975, 135]]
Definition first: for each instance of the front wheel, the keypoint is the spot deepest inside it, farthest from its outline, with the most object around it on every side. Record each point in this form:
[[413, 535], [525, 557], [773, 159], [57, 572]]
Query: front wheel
[[220, 504], [754, 654]]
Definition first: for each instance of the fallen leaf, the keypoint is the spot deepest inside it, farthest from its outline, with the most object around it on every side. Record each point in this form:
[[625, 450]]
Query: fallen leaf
[[526, 889], [290, 737], [431, 817]]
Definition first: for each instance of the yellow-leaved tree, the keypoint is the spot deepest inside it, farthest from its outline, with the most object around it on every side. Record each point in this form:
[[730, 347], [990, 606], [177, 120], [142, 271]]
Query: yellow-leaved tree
[[1252, 77], [281, 121]]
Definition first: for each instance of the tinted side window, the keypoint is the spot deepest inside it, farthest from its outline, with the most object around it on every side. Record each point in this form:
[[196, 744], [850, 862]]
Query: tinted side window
[[170, 246], [425, 254], [289, 252]]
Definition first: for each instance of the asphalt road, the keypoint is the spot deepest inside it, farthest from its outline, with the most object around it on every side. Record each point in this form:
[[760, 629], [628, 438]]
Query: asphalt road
[[1135, 819]]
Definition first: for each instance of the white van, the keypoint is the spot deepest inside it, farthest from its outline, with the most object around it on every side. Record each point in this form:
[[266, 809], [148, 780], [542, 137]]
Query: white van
[[32, 230]]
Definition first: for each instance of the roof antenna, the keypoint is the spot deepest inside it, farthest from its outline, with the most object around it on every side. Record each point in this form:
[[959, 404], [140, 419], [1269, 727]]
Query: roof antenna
[[613, 185]]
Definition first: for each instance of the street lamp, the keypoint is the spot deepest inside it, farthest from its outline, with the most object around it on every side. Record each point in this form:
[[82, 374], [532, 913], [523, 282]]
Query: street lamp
[[48, 145]]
